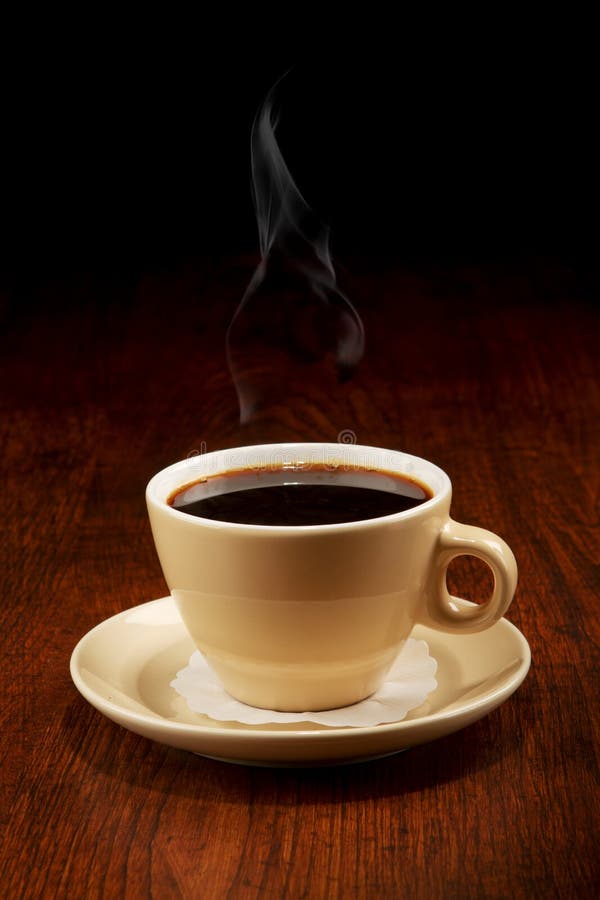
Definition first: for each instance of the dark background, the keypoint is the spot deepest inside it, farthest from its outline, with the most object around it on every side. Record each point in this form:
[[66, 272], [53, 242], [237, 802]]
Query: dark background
[[133, 152]]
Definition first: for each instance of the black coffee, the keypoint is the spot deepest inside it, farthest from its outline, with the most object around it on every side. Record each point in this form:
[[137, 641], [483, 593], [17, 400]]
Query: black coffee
[[314, 496]]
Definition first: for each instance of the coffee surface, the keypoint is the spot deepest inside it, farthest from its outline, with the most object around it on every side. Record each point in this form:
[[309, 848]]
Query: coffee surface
[[242, 498]]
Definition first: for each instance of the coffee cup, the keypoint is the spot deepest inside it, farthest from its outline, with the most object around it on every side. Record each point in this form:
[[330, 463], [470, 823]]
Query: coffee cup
[[292, 608]]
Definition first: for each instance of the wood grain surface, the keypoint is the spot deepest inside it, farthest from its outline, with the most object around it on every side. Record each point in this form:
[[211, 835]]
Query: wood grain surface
[[489, 370]]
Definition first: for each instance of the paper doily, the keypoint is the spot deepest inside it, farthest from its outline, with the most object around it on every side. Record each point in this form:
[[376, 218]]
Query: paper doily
[[407, 685]]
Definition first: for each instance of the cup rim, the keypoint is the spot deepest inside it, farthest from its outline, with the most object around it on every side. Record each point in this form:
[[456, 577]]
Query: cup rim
[[156, 493]]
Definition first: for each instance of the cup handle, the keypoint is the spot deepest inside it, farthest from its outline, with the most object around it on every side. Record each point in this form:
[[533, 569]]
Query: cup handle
[[442, 610]]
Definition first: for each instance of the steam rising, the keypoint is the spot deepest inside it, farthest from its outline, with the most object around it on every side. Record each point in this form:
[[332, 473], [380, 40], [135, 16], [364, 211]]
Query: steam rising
[[281, 210], [292, 307]]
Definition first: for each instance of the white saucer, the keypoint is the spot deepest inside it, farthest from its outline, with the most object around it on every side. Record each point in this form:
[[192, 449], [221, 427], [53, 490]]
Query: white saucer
[[124, 667]]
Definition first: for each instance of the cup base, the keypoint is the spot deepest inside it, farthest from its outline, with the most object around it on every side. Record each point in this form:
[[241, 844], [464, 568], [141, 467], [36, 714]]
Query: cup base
[[301, 688]]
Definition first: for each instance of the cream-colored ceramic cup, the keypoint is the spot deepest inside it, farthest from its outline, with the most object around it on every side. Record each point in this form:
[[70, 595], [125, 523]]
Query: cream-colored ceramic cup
[[311, 617]]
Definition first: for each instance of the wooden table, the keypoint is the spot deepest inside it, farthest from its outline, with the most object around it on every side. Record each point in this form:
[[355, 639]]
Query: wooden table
[[491, 371]]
